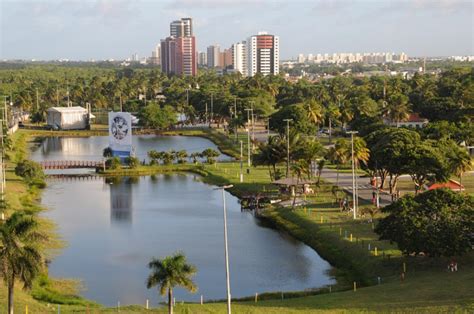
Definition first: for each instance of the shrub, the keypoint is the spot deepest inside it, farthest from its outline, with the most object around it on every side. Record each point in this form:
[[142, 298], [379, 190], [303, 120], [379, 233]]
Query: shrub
[[29, 170], [132, 162], [113, 163]]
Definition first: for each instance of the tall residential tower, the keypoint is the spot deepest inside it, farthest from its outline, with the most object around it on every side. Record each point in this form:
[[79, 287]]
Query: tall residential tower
[[263, 54], [178, 52]]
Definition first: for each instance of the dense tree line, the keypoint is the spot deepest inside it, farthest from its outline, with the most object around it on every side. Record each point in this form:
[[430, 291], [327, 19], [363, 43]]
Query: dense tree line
[[342, 101]]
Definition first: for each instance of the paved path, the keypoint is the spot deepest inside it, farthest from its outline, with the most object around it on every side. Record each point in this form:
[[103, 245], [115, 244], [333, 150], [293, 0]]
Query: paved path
[[364, 188]]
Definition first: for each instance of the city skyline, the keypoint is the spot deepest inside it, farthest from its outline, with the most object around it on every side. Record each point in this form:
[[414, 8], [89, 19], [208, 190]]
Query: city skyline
[[103, 29]]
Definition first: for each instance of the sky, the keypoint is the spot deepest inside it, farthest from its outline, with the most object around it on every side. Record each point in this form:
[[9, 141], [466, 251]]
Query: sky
[[115, 29]]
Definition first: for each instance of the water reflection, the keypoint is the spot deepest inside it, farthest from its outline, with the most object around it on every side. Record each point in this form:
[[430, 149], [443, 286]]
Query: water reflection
[[121, 200], [90, 148]]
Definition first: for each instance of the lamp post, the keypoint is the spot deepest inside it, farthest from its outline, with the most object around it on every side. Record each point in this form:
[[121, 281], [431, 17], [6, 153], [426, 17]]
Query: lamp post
[[241, 162], [226, 248], [212, 108], [235, 117], [287, 146], [354, 196], [248, 133]]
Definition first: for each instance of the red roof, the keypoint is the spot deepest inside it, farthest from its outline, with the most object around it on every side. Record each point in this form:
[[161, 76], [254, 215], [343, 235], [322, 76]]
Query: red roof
[[451, 184], [415, 117]]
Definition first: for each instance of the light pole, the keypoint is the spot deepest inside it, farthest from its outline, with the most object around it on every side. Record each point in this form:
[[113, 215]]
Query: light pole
[[287, 146], [248, 133], [235, 117], [241, 162], [354, 196], [212, 107], [226, 248]]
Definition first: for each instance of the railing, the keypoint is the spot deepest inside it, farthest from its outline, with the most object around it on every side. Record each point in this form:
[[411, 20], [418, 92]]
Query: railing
[[71, 164]]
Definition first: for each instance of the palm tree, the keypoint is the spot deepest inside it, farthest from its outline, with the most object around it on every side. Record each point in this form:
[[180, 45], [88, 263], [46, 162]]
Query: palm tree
[[21, 258], [397, 109], [170, 272], [315, 112], [339, 155], [299, 168], [460, 162]]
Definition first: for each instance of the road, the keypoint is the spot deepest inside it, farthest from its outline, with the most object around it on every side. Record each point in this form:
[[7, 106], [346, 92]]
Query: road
[[345, 182]]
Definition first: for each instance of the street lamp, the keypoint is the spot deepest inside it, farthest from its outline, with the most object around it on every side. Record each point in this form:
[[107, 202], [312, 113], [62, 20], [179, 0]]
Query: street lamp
[[227, 274], [354, 192], [241, 161], [248, 132], [287, 146]]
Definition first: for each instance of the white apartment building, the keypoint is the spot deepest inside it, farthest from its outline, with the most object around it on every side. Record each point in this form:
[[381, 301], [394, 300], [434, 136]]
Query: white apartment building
[[263, 54], [239, 57]]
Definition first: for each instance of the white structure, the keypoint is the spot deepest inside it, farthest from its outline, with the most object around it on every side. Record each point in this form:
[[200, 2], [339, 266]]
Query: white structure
[[68, 118], [120, 134], [263, 54], [239, 58]]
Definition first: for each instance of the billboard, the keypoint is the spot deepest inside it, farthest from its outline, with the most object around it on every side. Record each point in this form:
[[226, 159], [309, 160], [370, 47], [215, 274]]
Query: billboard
[[120, 133]]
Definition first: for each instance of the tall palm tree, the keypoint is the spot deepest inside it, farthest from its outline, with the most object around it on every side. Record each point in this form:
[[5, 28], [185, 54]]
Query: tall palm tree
[[315, 112], [339, 155], [299, 169], [170, 272], [21, 258], [398, 108], [460, 162]]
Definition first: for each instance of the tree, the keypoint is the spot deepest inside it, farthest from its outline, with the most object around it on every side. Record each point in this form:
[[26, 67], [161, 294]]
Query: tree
[[339, 155], [113, 163], [437, 223], [424, 162], [397, 109], [270, 154], [181, 156], [194, 157], [30, 170], [210, 155], [21, 258], [170, 272], [132, 162], [299, 169], [152, 116], [107, 152]]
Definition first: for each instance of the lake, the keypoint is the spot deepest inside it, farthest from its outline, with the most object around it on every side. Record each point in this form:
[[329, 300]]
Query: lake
[[114, 227]]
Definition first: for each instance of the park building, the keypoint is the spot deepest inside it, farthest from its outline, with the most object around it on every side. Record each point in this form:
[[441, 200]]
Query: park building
[[69, 118]]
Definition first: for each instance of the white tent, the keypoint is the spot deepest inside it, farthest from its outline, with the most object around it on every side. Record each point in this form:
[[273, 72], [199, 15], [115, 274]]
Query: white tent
[[68, 118]]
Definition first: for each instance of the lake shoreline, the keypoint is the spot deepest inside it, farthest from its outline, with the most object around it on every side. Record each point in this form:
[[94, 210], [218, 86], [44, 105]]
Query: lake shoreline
[[210, 177]]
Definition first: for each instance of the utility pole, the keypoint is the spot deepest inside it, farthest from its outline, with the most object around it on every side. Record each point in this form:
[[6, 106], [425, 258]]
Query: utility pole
[[226, 248], [253, 122], [241, 161], [354, 196], [248, 133], [212, 107], [235, 117], [287, 146], [57, 96], [206, 115]]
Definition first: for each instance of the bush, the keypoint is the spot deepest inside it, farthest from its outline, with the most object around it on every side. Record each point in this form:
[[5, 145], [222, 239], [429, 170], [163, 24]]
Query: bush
[[29, 170], [132, 162], [113, 163]]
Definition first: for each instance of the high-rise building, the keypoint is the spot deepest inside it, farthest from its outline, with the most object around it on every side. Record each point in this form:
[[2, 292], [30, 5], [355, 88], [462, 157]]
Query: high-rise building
[[156, 55], [263, 54], [202, 58], [239, 57], [181, 28], [213, 54], [226, 58], [178, 52]]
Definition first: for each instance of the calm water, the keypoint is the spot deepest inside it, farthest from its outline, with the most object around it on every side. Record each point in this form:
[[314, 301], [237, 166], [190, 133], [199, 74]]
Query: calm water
[[114, 228], [90, 148]]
